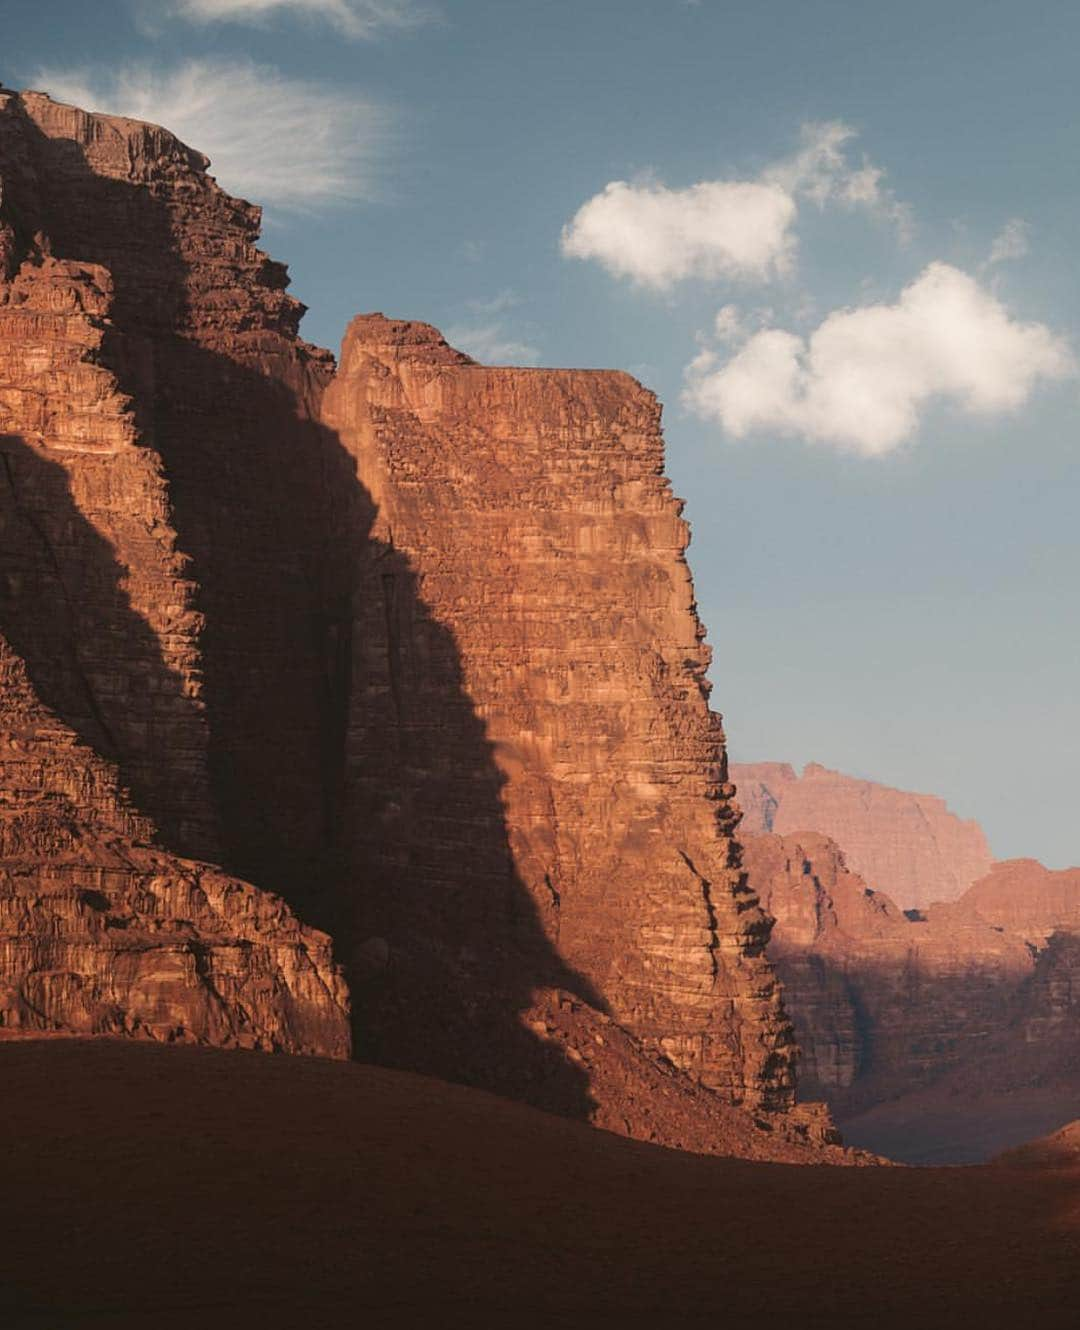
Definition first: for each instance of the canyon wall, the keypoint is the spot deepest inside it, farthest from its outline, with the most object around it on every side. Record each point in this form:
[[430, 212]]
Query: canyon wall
[[881, 1002], [907, 845], [580, 804], [412, 649], [965, 1000], [1024, 897], [123, 274]]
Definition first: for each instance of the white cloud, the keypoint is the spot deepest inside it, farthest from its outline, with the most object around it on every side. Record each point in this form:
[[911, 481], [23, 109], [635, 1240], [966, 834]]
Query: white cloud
[[729, 326], [657, 236], [726, 229], [359, 19], [1011, 243], [862, 379], [491, 344], [276, 140]]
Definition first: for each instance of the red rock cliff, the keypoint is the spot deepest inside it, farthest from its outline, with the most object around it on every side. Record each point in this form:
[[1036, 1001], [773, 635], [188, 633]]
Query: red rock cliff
[[882, 1003], [426, 663], [907, 845], [530, 751], [137, 321]]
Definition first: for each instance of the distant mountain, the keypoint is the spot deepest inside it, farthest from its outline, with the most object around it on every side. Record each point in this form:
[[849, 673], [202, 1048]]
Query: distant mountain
[[908, 845]]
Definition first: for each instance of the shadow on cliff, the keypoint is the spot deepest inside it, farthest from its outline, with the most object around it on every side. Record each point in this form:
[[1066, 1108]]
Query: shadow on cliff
[[903, 1024], [92, 659], [332, 782]]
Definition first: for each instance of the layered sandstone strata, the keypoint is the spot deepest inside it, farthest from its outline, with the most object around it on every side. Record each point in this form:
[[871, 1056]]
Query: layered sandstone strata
[[909, 846], [136, 322], [531, 755], [425, 663]]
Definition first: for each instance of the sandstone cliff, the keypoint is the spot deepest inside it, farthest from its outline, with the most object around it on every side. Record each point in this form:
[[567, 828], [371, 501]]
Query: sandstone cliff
[[1023, 897], [531, 756], [422, 659], [962, 1017], [121, 265], [907, 845], [881, 1003]]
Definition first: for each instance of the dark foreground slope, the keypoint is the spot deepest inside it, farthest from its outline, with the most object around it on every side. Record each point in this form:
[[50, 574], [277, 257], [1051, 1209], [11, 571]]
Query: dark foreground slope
[[148, 1186]]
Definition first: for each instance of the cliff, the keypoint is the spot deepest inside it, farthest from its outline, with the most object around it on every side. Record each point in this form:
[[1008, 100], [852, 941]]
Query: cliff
[[412, 649], [1023, 897], [881, 1003], [120, 262], [583, 789], [909, 846], [966, 1010]]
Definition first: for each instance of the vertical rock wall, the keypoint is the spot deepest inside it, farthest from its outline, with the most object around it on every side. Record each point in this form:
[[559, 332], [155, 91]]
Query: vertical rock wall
[[121, 267], [426, 662], [579, 802]]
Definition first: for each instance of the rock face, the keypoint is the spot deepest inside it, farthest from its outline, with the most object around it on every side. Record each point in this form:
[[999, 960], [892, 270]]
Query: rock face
[[963, 1003], [531, 757], [138, 330], [416, 651], [882, 1003], [907, 845], [1027, 899]]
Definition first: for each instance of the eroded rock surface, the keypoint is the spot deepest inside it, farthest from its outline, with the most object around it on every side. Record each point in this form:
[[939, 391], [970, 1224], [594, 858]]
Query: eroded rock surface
[[909, 846], [962, 1017], [425, 664], [137, 323], [882, 1003], [582, 804], [1024, 897]]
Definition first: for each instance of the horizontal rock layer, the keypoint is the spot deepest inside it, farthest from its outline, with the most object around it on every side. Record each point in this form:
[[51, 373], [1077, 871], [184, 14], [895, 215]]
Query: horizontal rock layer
[[424, 662]]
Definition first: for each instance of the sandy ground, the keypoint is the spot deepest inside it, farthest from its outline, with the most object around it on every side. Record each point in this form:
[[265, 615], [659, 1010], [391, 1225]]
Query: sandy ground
[[157, 1187], [941, 1125]]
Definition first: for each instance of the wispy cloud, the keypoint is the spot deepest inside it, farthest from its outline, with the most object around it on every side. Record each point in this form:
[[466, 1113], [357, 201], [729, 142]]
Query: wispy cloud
[[821, 173], [496, 304], [492, 344], [1011, 242], [361, 20], [487, 337], [285, 142], [740, 230], [862, 379]]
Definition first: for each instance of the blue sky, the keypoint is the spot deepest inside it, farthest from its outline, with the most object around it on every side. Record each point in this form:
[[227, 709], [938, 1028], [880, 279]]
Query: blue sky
[[840, 252]]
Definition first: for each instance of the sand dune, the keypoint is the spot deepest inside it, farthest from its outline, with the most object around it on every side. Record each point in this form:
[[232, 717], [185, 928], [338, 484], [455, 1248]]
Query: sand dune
[[151, 1186]]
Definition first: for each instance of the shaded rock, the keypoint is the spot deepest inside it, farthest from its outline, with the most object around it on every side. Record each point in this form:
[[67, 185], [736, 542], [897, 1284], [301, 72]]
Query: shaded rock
[[134, 312], [422, 662]]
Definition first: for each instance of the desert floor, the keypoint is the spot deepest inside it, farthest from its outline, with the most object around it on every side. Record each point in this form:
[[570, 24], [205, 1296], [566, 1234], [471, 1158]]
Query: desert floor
[[154, 1187]]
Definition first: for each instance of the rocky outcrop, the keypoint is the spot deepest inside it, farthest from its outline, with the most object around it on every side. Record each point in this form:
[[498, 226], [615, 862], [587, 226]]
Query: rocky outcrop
[[1025, 898], [416, 653], [909, 846], [882, 1002], [937, 1035], [136, 318], [533, 765]]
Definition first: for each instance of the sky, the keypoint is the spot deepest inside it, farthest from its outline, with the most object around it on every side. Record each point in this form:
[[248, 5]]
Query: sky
[[834, 237]]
